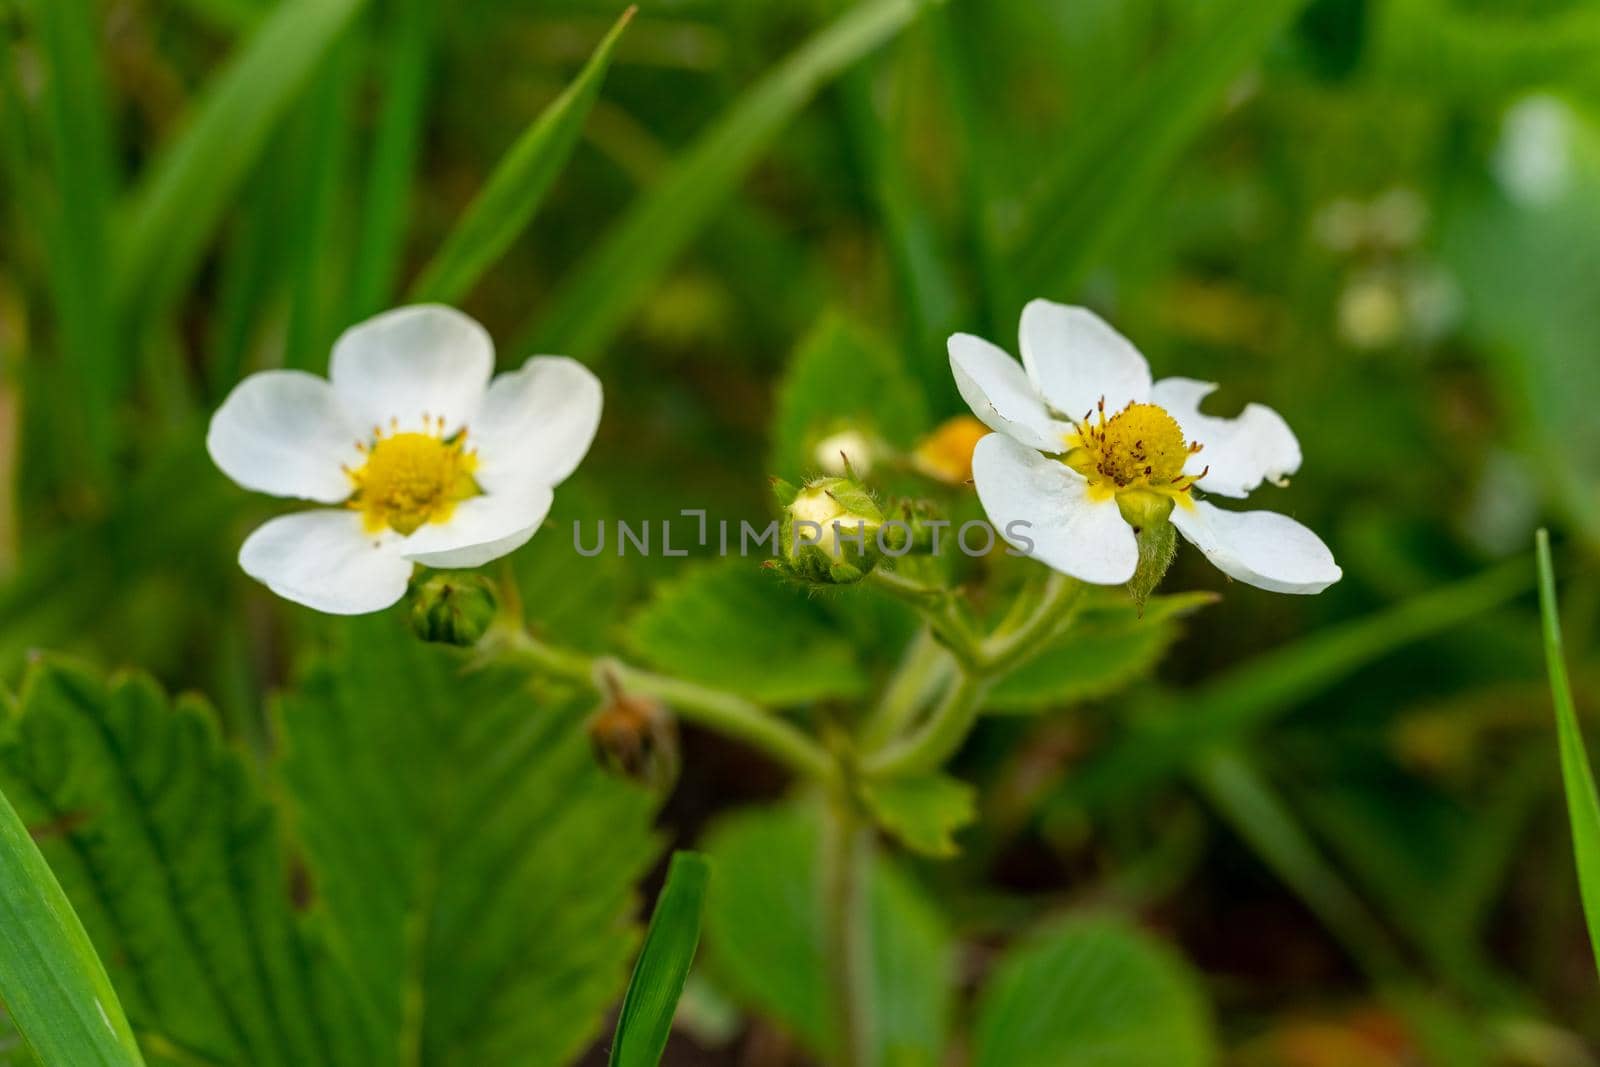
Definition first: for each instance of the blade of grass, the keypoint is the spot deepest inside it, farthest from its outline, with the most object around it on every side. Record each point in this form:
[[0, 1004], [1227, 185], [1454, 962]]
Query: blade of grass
[[663, 967], [246, 276], [507, 203], [929, 300], [407, 50], [52, 983], [320, 137], [960, 71], [763, 263], [1247, 801], [180, 201], [22, 191], [1114, 164], [1583, 807], [1247, 698], [1433, 869], [229, 16], [599, 294], [79, 136], [13, 346], [1479, 880]]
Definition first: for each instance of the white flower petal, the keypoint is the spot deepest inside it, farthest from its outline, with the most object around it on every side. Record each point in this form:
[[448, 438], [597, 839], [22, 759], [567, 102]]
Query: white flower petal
[[999, 392], [413, 361], [1241, 452], [536, 424], [283, 432], [1030, 497], [1260, 548], [481, 529], [326, 560], [1076, 358]]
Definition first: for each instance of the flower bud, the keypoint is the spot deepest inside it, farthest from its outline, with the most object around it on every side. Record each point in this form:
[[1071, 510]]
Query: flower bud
[[910, 526], [946, 454], [635, 737], [453, 607], [833, 531]]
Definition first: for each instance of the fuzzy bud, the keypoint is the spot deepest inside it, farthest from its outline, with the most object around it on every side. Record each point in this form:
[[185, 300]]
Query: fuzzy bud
[[453, 607], [833, 532]]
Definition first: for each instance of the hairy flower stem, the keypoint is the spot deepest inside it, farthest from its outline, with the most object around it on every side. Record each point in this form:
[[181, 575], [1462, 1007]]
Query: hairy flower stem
[[940, 610], [846, 871], [714, 709], [1012, 645], [940, 735], [924, 670]]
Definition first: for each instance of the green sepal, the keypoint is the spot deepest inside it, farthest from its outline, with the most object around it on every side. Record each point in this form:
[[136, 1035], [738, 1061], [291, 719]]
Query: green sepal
[[1158, 544], [784, 491], [853, 498], [845, 574]]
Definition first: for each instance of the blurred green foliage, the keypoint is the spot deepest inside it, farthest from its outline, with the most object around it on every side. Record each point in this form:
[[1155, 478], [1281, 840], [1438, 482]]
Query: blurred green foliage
[[1377, 216]]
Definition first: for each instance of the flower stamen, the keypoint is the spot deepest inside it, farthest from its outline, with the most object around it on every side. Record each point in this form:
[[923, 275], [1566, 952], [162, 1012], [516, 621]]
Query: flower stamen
[[410, 479], [1141, 447]]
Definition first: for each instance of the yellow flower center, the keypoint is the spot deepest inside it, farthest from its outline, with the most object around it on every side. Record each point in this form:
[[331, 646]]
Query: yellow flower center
[[410, 479], [1139, 443], [1138, 455]]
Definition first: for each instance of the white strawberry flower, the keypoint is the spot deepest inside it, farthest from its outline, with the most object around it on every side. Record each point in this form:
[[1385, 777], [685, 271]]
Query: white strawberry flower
[[422, 457], [1087, 447]]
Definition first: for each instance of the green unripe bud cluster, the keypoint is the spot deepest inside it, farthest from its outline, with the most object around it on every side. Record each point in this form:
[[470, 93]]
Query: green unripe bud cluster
[[453, 607], [834, 533]]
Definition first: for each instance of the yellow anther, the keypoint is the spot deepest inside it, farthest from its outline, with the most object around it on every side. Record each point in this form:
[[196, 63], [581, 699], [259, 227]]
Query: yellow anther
[[1142, 441], [411, 479], [1139, 450]]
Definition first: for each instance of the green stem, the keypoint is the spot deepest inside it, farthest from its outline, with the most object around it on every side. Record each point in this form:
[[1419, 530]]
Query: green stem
[[1005, 650], [1025, 603], [846, 859], [924, 670], [943, 732], [940, 609], [939, 736], [712, 708]]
